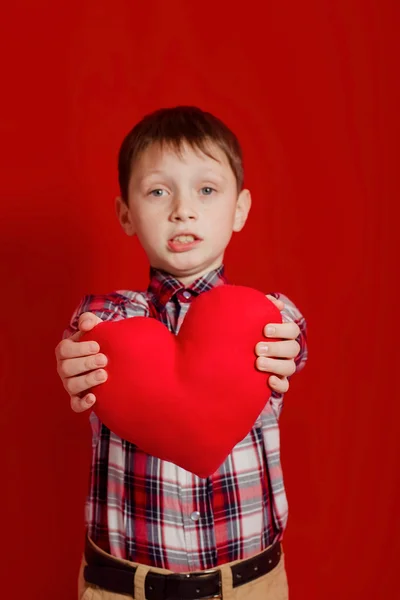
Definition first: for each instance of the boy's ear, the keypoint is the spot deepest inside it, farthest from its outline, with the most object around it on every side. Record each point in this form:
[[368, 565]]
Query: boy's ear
[[124, 216], [243, 206]]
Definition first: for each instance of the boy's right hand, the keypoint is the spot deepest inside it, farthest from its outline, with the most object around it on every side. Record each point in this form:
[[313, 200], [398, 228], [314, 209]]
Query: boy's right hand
[[78, 364]]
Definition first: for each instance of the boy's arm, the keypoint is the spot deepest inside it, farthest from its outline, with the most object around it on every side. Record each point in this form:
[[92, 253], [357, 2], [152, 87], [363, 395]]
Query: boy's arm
[[79, 364], [282, 358], [103, 307]]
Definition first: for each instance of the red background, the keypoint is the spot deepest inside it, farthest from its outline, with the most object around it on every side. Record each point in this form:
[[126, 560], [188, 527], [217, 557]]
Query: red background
[[310, 89]]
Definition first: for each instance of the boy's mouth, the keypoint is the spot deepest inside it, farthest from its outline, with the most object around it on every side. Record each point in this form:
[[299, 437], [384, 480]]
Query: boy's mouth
[[183, 241], [184, 238]]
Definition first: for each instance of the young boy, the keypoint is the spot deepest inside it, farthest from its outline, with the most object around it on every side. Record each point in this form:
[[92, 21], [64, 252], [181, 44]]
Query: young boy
[[154, 530]]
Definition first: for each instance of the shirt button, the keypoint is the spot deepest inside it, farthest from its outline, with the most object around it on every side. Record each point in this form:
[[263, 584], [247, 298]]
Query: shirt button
[[186, 294], [195, 516]]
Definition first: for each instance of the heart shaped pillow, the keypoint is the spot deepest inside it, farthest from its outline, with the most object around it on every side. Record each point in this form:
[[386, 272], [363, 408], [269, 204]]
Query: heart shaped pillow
[[187, 398]]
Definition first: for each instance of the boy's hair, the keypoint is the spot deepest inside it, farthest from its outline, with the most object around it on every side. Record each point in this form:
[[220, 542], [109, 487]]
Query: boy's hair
[[174, 126]]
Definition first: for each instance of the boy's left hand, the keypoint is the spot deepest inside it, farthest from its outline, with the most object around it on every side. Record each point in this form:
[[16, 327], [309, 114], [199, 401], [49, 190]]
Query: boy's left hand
[[278, 357]]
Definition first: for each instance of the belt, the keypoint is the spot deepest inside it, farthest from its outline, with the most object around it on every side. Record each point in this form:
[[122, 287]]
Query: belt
[[110, 574]]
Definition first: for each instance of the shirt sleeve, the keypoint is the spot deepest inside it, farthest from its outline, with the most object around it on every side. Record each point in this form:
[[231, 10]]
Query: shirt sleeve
[[106, 307], [290, 314]]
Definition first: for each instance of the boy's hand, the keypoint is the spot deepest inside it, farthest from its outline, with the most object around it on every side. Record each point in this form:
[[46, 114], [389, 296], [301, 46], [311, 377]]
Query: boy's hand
[[78, 364], [278, 357]]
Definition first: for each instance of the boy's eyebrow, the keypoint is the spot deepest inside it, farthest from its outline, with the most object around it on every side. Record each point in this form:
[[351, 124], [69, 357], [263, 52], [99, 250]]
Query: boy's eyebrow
[[202, 174], [211, 173], [151, 173]]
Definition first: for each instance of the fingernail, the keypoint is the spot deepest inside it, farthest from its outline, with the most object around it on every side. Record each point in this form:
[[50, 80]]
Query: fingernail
[[94, 347], [100, 361], [100, 375], [270, 330], [263, 362], [263, 348], [89, 400]]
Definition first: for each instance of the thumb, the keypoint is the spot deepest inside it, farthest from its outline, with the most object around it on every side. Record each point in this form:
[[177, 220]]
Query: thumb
[[278, 303], [87, 321]]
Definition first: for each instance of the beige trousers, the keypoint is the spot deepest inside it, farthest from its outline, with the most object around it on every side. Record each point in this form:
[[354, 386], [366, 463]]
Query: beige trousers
[[272, 586]]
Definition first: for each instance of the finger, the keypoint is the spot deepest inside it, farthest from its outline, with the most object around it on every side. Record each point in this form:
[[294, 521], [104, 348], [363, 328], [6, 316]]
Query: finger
[[277, 384], [278, 303], [277, 366], [75, 337], [79, 405], [87, 321], [281, 349], [77, 385], [70, 348], [284, 331], [71, 367]]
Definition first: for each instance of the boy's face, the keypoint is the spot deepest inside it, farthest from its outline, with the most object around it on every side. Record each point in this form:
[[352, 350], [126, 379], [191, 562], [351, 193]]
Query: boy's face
[[183, 209]]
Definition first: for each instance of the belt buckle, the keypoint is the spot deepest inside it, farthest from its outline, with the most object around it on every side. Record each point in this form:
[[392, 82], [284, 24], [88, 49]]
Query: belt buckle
[[200, 574]]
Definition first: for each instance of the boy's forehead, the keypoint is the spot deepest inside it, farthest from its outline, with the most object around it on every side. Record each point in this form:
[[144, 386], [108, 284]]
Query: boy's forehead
[[157, 157]]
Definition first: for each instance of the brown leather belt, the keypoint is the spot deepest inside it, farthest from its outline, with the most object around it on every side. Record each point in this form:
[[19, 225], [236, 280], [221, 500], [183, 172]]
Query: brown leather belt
[[110, 574]]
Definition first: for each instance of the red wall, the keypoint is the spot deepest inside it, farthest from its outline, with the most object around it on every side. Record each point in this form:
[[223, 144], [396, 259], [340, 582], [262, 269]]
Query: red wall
[[309, 88]]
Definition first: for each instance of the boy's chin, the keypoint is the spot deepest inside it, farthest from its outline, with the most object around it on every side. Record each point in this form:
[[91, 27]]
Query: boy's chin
[[184, 266]]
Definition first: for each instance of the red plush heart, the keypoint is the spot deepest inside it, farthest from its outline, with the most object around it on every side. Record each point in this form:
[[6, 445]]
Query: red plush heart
[[187, 398]]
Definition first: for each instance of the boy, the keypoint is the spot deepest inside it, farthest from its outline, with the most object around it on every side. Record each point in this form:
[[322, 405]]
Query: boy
[[154, 530]]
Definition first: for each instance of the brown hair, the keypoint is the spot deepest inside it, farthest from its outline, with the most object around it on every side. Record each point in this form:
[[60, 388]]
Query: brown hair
[[174, 126]]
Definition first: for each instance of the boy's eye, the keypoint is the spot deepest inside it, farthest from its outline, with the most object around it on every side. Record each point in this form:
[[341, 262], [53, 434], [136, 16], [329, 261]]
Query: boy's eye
[[157, 193], [207, 191]]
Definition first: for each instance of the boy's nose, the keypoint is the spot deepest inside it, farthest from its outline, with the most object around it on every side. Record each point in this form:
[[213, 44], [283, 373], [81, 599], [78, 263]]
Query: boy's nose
[[183, 211]]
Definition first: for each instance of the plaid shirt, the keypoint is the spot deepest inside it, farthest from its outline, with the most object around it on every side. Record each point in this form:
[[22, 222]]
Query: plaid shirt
[[150, 511]]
